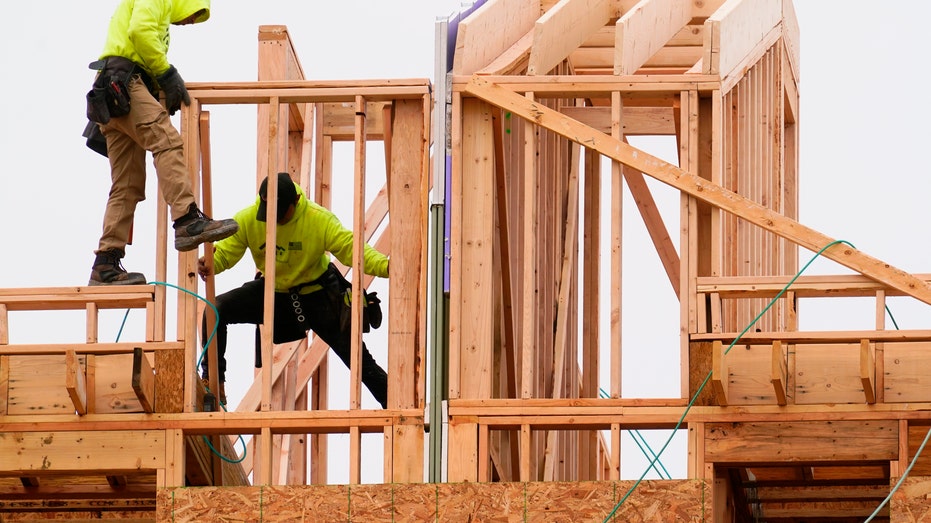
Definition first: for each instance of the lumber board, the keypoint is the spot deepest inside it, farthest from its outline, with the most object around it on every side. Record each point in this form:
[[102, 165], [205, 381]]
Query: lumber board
[[563, 29], [779, 373], [76, 298], [719, 373], [817, 336], [143, 380], [820, 286], [798, 441], [867, 371], [702, 189], [59, 349], [477, 242], [491, 30], [906, 376], [407, 199], [635, 121], [114, 384], [734, 30], [37, 386], [75, 382], [91, 452], [646, 29]]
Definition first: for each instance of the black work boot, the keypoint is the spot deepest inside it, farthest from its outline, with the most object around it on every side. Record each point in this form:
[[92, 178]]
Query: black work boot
[[195, 228], [108, 270]]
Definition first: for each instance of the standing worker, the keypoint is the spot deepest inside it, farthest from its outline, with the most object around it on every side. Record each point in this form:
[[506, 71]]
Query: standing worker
[[133, 69], [310, 292]]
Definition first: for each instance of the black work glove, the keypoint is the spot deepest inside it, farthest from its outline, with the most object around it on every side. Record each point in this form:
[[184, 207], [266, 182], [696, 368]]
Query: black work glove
[[172, 85]]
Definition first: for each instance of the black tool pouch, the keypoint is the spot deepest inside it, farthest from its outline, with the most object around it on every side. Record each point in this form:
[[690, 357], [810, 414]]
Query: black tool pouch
[[339, 292], [109, 96]]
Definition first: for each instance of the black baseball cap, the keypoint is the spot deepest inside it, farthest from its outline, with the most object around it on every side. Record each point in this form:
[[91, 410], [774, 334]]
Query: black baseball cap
[[287, 195]]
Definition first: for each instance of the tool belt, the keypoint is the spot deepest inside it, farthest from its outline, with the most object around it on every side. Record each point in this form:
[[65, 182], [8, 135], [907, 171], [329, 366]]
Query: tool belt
[[109, 95], [339, 292]]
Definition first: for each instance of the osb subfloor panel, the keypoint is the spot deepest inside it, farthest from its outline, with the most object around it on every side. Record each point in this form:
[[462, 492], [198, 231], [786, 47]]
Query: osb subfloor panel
[[675, 500], [912, 501]]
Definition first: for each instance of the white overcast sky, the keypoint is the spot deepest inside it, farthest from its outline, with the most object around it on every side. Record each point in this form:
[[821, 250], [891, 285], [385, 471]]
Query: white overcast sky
[[863, 131]]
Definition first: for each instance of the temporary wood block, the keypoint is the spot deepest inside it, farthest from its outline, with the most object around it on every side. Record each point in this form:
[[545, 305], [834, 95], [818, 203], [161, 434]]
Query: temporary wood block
[[37, 386], [75, 382], [777, 442], [779, 373], [719, 374], [101, 452], [827, 373], [906, 378], [867, 371], [143, 380], [114, 387]]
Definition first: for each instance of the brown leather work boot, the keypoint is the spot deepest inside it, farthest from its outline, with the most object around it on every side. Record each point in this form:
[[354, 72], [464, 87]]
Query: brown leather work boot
[[195, 228], [108, 270]]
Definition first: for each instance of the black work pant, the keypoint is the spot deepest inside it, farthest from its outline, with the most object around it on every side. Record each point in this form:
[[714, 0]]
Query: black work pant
[[318, 311]]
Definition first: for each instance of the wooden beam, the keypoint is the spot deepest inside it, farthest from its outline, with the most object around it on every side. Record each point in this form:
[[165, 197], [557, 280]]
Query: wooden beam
[[85, 451], [734, 30], [799, 441], [635, 120], [490, 30], [644, 30], [653, 221], [563, 29], [76, 298], [701, 189]]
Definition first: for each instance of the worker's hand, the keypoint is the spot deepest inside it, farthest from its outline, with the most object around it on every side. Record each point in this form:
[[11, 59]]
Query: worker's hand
[[176, 93], [203, 269]]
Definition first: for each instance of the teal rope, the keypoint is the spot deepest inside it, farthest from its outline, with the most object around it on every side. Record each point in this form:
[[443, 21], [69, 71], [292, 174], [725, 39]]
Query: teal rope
[[202, 352], [914, 458], [201, 298], [708, 377], [648, 451], [122, 324]]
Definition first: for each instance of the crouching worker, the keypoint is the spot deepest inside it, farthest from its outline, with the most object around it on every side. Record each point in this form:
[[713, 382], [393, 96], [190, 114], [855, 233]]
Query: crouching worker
[[310, 293]]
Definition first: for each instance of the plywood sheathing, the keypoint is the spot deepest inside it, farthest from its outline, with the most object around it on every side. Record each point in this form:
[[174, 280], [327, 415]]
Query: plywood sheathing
[[682, 500]]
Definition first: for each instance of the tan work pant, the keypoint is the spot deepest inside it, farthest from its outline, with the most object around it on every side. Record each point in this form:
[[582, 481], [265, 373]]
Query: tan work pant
[[146, 128]]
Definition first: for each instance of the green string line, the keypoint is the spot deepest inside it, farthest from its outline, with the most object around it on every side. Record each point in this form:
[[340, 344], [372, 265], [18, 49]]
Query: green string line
[[914, 458], [708, 377], [202, 353], [643, 451]]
